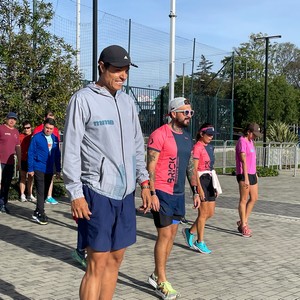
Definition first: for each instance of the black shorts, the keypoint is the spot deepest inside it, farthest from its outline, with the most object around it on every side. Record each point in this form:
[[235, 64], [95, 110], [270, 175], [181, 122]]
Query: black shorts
[[24, 165], [252, 178], [207, 187]]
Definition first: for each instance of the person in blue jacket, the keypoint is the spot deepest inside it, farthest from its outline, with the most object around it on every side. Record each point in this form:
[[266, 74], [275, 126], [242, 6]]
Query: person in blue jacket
[[43, 155]]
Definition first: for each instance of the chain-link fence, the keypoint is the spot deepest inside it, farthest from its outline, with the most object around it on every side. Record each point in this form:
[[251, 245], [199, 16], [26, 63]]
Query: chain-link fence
[[149, 48], [152, 106]]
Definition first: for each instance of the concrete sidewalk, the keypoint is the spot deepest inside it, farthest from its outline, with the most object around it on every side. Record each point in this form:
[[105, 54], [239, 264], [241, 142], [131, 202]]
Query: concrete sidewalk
[[36, 263]]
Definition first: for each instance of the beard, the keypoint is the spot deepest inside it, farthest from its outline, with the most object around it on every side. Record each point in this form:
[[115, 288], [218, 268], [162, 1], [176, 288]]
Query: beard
[[183, 123]]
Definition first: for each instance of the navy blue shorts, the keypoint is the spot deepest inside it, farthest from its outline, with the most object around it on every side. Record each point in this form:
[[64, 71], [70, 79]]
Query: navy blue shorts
[[112, 225], [172, 209]]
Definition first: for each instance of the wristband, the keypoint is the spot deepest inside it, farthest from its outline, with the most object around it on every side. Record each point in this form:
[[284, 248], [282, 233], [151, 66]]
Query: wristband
[[145, 187], [195, 190], [146, 182], [152, 193]]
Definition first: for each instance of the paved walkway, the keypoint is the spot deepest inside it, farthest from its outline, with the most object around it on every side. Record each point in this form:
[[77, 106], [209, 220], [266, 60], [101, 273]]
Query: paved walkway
[[35, 260]]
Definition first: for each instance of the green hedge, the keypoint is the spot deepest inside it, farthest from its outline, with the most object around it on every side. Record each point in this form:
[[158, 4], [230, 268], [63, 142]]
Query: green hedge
[[266, 172], [58, 189], [261, 171]]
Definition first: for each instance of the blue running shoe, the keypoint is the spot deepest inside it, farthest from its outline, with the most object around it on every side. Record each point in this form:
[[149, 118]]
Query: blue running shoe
[[51, 200], [188, 237], [201, 247]]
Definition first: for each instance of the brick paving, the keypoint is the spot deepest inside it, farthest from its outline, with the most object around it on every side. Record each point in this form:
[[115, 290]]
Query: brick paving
[[36, 263]]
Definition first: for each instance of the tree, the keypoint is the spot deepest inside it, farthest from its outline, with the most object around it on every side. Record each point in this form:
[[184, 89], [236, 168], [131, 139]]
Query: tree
[[283, 75], [37, 70]]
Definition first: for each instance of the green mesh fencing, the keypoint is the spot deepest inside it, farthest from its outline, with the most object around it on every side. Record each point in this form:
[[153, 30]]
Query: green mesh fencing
[[149, 48], [152, 107], [216, 111]]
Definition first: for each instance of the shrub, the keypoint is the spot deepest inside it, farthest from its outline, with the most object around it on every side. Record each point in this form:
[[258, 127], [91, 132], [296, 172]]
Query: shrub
[[59, 189], [266, 172], [14, 190], [261, 171]]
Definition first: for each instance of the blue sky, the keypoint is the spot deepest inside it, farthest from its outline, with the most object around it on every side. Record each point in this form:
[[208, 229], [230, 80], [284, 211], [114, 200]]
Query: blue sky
[[220, 24], [223, 24]]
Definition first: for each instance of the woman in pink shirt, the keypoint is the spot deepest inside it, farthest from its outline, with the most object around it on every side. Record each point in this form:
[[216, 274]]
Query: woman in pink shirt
[[203, 157], [245, 157]]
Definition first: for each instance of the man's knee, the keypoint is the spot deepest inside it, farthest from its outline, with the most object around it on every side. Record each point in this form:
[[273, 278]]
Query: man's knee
[[115, 259]]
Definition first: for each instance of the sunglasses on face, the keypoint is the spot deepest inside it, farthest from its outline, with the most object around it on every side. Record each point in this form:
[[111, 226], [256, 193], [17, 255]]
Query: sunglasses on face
[[186, 112], [27, 127]]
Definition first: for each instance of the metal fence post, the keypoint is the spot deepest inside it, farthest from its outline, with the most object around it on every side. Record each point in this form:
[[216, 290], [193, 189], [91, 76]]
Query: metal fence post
[[296, 159], [224, 156]]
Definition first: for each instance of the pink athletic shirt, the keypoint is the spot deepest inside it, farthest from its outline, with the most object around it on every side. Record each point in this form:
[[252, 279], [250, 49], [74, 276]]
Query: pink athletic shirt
[[205, 155], [9, 139], [245, 146], [175, 152]]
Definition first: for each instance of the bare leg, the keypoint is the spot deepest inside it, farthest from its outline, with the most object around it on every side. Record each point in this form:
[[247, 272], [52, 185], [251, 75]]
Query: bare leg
[[99, 281], [205, 212], [253, 191], [244, 195], [50, 189], [110, 276], [162, 249]]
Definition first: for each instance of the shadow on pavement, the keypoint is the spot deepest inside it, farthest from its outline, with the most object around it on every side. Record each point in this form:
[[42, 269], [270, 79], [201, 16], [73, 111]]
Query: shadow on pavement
[[25, 213], [136, 284], [39, 245], [9, 290]]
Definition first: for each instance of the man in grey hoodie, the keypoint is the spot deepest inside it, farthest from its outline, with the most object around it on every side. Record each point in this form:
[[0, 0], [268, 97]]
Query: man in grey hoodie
[[103, 159]]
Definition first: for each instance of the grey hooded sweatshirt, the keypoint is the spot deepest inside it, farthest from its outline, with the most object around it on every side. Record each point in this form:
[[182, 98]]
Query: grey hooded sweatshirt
[[103, 144]]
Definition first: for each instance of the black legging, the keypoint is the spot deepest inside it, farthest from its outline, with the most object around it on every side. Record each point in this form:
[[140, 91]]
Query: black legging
[[42, 183], [7, 175]]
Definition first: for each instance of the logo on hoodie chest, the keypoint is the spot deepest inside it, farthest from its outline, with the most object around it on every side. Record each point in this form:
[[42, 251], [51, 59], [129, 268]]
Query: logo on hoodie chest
[[103, 122]]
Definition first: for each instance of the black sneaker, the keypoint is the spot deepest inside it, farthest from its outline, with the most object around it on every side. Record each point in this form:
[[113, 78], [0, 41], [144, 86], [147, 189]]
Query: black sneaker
[[183, 220], [4, 209], [40, 218]]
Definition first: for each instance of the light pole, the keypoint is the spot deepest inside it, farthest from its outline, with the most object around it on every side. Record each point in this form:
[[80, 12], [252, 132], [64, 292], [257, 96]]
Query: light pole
[[95, 40], [172, 17], [266, 38]]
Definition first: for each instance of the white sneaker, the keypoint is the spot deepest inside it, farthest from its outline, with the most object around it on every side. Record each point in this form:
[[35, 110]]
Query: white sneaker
[[23, 198], [31, 198]]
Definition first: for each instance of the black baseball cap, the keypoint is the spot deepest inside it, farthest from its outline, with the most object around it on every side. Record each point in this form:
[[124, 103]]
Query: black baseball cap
[[254, 127], [116, 56]]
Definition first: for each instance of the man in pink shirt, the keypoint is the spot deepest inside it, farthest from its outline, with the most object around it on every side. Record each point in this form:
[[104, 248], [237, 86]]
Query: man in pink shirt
[[9, 146], [169, 160], [245, 157]]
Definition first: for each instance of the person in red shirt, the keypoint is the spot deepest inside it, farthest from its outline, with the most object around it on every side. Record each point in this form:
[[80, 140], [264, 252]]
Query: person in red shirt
[[48, 114], [25, 138], [9, 146]]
